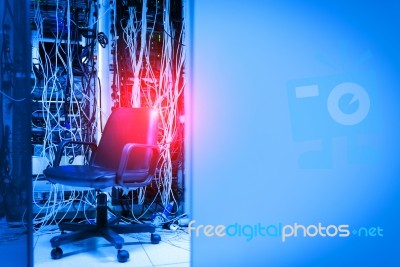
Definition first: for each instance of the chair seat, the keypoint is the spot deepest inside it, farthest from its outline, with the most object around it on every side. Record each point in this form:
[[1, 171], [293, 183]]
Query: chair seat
[[89, 176], [81, 176]]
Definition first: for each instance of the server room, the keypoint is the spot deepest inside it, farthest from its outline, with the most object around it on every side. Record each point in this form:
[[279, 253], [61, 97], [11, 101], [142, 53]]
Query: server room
[[92, 133], [177, 133]]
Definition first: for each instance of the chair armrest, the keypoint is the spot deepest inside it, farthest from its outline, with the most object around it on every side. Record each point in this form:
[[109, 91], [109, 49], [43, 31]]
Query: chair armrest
[[61, 146], [126, 151]]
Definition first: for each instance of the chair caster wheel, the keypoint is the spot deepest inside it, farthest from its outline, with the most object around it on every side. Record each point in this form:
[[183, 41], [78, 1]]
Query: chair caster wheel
[[155, 238], [56, 253], [123, 255]]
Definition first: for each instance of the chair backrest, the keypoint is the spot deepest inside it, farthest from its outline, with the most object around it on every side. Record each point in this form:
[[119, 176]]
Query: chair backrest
[[127, 125]]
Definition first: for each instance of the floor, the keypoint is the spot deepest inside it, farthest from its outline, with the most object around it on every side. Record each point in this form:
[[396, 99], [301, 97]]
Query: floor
[[13, 244], [172, 251]]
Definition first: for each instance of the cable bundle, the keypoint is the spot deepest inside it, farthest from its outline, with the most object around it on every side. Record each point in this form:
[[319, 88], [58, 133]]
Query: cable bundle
[[63, 94], [157, 81], [148, 68]]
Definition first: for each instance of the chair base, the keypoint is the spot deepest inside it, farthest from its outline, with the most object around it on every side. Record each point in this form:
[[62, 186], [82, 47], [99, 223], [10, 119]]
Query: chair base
[[103, 228]]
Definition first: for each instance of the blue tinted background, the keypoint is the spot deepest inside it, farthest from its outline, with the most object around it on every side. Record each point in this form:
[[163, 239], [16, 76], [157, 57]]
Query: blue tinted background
[[261, 155]]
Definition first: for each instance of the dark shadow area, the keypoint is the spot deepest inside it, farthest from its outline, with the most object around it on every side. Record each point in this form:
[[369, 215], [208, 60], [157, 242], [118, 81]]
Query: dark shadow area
[[15, 148]]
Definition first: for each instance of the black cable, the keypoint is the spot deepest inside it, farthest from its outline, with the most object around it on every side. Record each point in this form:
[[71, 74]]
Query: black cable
[[102, 39]]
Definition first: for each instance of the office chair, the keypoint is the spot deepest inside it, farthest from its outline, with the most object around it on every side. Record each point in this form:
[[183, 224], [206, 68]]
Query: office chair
[[126, 156]]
